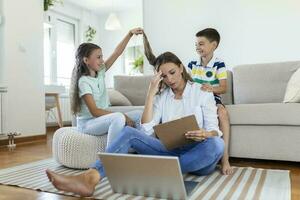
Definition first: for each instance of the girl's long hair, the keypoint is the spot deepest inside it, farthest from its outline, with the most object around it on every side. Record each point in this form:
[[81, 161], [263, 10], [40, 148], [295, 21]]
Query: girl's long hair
[[167, 57], [80, 69]]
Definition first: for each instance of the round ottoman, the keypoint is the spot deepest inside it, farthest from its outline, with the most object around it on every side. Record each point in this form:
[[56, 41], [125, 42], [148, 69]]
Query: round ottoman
[[76, 150]]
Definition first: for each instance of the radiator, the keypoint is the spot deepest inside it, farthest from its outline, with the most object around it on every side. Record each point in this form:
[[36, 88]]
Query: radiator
[[65, 108], [1, 114], [3, 90]]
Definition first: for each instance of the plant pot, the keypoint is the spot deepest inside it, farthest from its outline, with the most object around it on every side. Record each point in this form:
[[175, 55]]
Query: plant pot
[[141, 69]]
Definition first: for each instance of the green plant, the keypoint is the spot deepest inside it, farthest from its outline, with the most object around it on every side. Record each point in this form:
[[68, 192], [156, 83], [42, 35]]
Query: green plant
[[138, 63], [90, 34], [48, 3]]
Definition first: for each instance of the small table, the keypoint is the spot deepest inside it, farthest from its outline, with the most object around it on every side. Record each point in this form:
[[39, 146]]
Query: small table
[[54, 91], [56, 97]]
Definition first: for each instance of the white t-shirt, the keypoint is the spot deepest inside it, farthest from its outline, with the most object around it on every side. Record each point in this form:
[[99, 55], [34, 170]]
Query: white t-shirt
[[177, 111], [194, 102]]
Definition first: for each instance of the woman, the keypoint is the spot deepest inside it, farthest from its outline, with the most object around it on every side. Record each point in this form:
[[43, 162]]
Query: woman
[[179, 97]]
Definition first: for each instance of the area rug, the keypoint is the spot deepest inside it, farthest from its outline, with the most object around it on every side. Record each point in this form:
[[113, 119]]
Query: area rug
[[244, 183]]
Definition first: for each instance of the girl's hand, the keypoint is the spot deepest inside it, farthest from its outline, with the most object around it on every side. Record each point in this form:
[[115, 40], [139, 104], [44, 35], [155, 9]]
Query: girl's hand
[[129, 122], [197, 135], [154, 84], [207, 88], [136, 31]]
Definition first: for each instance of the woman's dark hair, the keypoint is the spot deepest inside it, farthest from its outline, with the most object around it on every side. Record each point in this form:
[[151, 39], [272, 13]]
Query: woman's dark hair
[[148, 51], [167, 57], [84, 51]]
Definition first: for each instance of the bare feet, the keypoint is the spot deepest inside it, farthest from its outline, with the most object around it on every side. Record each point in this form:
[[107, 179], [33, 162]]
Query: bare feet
[[83, 184], [225, 167]]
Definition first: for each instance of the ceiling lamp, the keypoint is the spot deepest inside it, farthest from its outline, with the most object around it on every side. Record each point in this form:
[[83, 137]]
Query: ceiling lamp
[[112, 23]]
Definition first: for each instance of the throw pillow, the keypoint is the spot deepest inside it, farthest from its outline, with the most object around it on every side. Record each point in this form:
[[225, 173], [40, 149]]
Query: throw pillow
[[117, 99], [292, 92]]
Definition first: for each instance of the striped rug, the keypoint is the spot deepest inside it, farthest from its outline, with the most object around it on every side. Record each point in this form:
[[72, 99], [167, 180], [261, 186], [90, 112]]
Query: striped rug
[[244, 183]]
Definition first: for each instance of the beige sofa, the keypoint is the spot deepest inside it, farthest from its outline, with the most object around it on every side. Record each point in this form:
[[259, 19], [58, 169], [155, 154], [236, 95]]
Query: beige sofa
[[262, 127]]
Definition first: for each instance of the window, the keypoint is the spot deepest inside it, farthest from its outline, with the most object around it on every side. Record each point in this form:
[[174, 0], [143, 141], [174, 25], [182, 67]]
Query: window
[[132, 54], [65, 52], [60, 41]]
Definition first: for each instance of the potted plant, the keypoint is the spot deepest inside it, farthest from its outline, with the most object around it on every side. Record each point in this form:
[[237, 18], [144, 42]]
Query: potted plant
[[90, 34], [48, 3], [138, 64]]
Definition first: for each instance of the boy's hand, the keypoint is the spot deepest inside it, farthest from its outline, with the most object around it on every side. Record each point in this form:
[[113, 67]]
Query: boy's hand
[[197, 135], [136, 31], [207, 88]]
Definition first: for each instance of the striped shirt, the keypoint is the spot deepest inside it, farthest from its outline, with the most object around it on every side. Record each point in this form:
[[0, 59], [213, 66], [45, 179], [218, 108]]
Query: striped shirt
[[210, 74]]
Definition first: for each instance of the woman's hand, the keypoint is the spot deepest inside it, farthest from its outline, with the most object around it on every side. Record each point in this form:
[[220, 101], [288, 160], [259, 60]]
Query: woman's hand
[[154, 84], [198, 135], [136, 31]]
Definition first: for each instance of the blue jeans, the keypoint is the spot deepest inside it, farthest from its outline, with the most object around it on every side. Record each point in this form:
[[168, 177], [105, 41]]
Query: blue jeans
[[198, 158], [112, 124]]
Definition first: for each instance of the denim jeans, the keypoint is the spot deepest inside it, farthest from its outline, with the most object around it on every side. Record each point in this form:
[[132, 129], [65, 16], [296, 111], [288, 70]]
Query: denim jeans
[[198, 158], [112, 124]]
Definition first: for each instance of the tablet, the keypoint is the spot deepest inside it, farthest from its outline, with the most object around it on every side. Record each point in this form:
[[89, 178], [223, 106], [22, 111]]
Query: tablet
[[172, 133]]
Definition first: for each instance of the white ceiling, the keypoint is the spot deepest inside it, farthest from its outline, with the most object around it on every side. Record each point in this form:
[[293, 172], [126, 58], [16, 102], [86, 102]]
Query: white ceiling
[[105, 6]]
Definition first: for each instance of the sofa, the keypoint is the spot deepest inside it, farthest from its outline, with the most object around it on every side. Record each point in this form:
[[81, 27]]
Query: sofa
[[262, 126]]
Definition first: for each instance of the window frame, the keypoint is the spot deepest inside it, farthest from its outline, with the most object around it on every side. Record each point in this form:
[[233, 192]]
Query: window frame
[[51, 18]]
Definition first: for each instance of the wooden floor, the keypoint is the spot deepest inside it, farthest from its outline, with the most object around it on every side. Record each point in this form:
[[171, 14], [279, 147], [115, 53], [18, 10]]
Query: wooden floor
[[39, 150]]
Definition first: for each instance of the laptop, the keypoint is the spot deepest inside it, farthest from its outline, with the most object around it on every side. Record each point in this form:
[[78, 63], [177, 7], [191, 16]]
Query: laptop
[[143, 175], [172, 133]]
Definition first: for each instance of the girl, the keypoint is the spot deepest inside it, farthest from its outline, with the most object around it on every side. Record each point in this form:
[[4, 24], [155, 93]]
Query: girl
[[89, 99]]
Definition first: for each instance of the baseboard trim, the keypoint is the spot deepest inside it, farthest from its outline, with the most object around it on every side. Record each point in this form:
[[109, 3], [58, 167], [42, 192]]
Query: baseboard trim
[[20, 140], [54, 124]]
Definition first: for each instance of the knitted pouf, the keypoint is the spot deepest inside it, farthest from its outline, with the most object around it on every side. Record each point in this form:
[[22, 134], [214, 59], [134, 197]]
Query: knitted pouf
[[76, 150]]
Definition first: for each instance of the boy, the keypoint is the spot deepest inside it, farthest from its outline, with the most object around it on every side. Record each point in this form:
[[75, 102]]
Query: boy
[[211, 72]]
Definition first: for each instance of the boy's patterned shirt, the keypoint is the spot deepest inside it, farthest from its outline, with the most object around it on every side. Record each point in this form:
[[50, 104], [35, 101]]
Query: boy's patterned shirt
[[210, 74]]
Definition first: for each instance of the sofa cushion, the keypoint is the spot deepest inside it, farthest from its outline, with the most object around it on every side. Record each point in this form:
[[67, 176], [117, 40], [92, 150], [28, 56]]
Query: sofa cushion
[[262, 83], [124, 109], [292, 93], [133, 87], [264, 114], [117, 99]]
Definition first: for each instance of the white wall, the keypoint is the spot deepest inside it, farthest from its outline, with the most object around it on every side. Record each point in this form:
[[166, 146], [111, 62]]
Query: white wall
[[252, 31], [110, 39], [22, 54], [1, 43]]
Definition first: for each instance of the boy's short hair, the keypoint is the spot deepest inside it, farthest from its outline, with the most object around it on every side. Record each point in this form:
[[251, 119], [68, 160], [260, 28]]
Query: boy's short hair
[[211, 34]]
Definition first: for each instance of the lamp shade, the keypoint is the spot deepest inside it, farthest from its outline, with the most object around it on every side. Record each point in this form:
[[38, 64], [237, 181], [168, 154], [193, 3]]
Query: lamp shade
[[112, 23]]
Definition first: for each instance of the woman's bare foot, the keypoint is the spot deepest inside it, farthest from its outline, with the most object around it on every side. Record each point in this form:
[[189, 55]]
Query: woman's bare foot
[[225, 167], [83, 184]]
